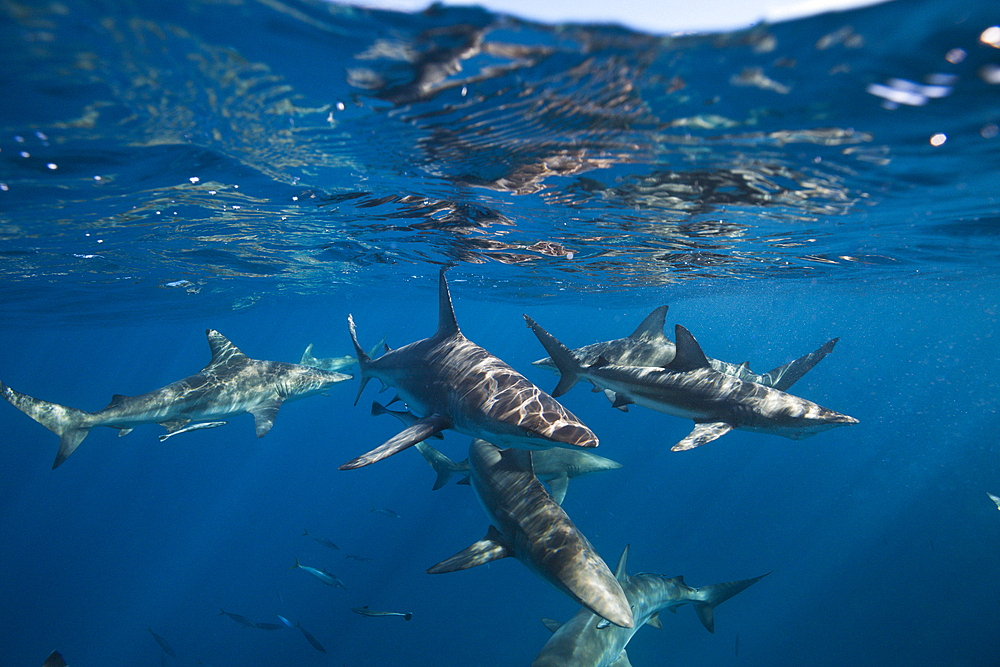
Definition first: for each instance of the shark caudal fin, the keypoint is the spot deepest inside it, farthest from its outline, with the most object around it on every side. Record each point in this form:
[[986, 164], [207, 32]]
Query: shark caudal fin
[[363, 359], [785, 376], [68, 423], [715, 594], [566, 362], [442, 465]]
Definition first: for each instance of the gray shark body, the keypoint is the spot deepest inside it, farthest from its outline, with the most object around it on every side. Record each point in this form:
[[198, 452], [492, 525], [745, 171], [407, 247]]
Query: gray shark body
[[231, 383], [530, 526], [587, 640], [554, 466], [690, 388], [452, 383], [648, 346]]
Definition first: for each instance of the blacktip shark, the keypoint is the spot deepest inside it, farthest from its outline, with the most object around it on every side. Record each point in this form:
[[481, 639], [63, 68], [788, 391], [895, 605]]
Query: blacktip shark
[[452, 383], [649, 346], [232, 383], [554, 466], [587, 640], [690, 388], [530, 526]]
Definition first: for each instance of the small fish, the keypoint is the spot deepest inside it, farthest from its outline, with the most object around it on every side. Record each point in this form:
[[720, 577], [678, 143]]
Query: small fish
[[360, 559], [242, 620], [162, 642], [309, 638], [55, 659], [322, 540], [285, 621], [386, 512], [322, 575], [365, 611], [193, 427], [995, 499], [268, 626]]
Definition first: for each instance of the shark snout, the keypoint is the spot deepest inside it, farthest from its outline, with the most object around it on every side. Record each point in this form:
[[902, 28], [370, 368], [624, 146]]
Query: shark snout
[[574, 434]]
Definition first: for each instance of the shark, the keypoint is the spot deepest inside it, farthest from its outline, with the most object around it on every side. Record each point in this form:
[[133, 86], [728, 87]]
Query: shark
[[554, 466], [530, 526], [649, 346], [334, 363], [452, 383], [690, 388], [232, 383], [587, 640]]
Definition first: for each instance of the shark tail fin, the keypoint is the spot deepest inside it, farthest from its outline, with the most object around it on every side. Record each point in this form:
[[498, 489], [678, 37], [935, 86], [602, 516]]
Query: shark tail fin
[[715, 595], [68, 423], [442, 465], [566, 362], [363, 359]]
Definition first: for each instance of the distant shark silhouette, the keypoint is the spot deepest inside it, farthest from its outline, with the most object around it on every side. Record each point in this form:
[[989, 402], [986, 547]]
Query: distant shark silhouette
[[648, 346], [586, 640], [452, 383], [231, 383], [689, 387], [530, 526]]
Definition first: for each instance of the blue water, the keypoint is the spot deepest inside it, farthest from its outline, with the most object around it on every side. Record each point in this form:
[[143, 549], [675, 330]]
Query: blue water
[[265, 169]]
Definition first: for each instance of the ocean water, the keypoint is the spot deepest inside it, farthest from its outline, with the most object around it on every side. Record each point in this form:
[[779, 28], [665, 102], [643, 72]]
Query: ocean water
[[266, 168]]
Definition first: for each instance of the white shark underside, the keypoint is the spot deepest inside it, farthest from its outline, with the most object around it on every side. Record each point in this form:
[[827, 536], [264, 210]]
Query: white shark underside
[[232, 383], [690, 388], [648, 346], [529, 525], [452, 383], [588, 641]]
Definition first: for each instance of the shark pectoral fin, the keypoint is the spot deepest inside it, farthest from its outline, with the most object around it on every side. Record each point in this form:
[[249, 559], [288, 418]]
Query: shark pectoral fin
[[701, 434], [264, 414], [551, 625], [621, 660], [419, 430], [654, 621], [558, 486], [490, 548], [124, 431]]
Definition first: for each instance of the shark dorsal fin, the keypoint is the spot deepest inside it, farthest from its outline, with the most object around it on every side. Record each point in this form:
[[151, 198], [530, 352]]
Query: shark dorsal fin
[[620, 568], [551, 625], [116, 400], [223, 351], [651, 327], [447, 324], [689, 353]]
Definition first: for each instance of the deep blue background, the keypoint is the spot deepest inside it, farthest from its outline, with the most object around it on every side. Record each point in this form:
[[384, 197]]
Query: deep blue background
[[881, 536]]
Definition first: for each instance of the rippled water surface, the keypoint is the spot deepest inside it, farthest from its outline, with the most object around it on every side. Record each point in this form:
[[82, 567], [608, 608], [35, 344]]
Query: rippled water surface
[[265, 168]]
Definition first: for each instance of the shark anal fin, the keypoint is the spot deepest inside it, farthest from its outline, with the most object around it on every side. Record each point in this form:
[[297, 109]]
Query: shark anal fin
[[654, 621], [618, 401], [558, 486], [420, 430], [488, 549], [172, 424], [551, 625], [124, 431], [264, 414], [702, 434]]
